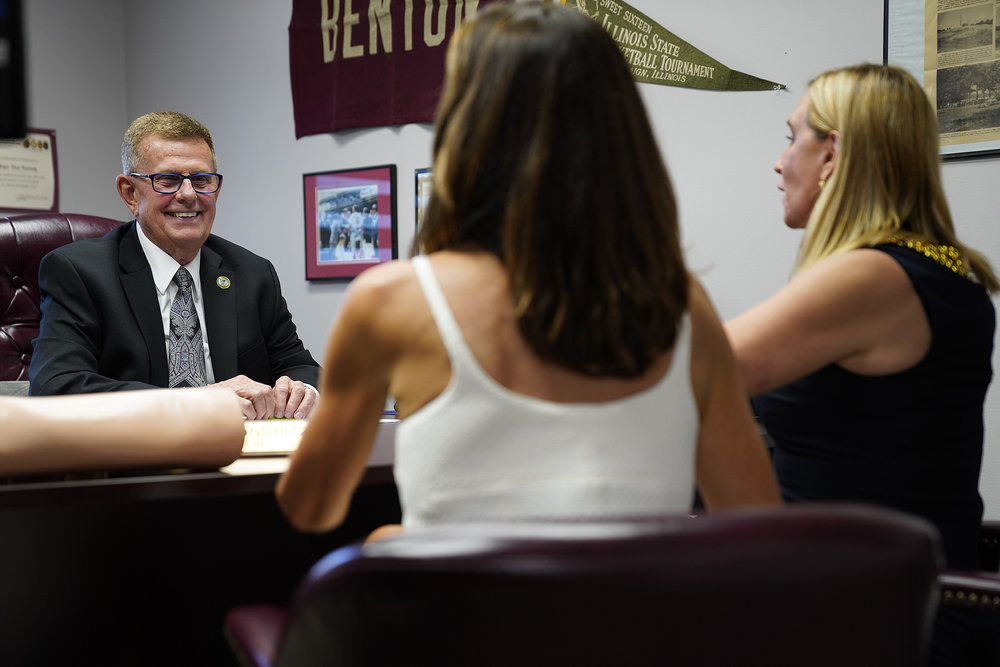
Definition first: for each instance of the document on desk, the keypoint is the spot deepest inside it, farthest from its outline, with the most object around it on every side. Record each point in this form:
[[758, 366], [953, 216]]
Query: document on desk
[[281, 437], [273, 437]]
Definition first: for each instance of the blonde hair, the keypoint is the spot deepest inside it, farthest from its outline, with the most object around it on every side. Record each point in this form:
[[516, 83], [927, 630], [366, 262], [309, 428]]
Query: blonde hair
[[887, 180], [166, 124]]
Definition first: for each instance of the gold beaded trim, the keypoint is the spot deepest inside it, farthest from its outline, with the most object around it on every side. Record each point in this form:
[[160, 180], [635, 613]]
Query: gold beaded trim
[[969, 598], [945, 255]]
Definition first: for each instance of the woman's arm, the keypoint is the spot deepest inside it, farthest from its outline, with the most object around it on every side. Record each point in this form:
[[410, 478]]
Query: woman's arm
[[733, 468], [857, 309], [315, 492]]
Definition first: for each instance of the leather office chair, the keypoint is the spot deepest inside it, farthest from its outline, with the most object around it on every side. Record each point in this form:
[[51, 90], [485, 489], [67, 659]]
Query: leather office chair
[[24, 240], [806, 585]]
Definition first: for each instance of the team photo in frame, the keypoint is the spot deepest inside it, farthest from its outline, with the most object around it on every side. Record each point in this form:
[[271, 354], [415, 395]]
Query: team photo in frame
[[350, 220]]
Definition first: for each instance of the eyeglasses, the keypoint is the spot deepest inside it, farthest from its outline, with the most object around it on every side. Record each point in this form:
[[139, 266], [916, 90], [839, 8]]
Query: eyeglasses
[[167, 183]]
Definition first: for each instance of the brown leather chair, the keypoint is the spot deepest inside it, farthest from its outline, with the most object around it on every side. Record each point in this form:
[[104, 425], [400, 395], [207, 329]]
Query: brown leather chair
[[818, 585], [24, 240]]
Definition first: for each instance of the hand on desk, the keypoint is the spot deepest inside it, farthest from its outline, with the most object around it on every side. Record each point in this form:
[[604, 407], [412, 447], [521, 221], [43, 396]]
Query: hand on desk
[[288, 398], [293, 398]]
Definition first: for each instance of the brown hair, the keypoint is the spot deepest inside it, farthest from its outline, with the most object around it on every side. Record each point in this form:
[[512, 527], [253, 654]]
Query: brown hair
[[544, 156]]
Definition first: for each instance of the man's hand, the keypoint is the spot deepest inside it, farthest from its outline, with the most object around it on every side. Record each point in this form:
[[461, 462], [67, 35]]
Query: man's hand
[[293, 398], [256, 399]]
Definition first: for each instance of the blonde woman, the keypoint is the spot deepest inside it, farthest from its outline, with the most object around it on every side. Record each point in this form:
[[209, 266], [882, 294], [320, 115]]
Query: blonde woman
[[870, 367]]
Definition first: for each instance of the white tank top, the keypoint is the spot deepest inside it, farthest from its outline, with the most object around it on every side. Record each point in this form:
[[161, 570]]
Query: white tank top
[[481, 452]]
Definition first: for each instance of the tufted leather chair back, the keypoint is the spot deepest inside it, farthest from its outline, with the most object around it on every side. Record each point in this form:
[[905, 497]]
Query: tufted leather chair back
[[24, 240]]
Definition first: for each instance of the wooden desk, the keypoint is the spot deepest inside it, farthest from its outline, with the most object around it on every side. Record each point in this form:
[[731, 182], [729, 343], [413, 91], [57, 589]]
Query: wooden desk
[[139, 569], [250, 475]]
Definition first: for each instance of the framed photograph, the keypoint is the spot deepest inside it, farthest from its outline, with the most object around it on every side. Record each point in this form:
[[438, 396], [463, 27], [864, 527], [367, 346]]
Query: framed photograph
[[350, 220], [422, 188], [953, 49]]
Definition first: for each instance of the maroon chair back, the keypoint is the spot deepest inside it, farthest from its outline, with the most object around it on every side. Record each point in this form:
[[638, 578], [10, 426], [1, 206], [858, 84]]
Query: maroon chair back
[[807, 585], [24, 240]]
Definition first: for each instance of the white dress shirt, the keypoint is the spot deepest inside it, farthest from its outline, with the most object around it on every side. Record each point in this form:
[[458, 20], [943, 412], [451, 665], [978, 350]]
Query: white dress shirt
[[164, 267]]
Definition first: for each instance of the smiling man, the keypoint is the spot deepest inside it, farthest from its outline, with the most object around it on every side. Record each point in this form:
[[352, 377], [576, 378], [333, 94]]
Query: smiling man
[[161, 302]]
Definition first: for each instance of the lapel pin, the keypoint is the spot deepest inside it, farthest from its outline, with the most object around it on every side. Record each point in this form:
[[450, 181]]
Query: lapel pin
[[223, 282]]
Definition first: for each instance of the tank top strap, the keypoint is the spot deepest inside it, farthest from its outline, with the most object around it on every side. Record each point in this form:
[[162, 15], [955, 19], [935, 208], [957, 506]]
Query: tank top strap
[[443, 317]]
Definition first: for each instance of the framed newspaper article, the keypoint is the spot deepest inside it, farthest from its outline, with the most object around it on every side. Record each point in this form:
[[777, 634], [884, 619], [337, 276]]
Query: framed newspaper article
[[953, 48], [350, 218]]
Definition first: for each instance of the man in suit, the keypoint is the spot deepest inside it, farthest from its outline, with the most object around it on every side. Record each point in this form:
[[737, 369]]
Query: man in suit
[[119, 314]]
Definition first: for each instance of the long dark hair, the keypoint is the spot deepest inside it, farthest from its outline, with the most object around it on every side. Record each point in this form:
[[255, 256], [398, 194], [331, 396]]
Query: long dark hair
[[544, 156]]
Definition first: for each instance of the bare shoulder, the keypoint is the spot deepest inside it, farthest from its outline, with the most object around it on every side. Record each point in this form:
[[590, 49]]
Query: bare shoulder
[[399, 276], [378, 307], [705, 323], [834, 290], [853, 308], [852, 287], [863, 272], [382, 289], [384, 277], [710, 349]]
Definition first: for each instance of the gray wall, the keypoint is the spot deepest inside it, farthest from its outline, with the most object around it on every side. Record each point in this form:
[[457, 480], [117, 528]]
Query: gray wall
[[90, 73]]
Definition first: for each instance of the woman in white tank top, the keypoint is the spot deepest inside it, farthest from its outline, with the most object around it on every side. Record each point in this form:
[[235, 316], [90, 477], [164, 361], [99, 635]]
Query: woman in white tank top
[[550, 356]]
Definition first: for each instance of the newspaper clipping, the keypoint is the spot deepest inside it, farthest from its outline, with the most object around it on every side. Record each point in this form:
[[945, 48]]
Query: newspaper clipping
[[962, 68]]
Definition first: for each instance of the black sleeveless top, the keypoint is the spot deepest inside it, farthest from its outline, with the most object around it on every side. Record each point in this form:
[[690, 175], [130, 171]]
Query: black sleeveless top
[[913, 440]]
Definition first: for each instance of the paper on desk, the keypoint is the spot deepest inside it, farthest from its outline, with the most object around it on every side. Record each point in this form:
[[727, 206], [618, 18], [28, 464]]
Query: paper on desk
[[280, 437], [273, 437]]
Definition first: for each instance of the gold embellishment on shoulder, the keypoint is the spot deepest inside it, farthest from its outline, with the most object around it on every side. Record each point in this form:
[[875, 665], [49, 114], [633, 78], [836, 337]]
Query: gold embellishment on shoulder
[[945, 255]]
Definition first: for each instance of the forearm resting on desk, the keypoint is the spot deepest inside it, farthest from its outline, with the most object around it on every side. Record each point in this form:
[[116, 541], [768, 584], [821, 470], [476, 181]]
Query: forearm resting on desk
[[200, 427]]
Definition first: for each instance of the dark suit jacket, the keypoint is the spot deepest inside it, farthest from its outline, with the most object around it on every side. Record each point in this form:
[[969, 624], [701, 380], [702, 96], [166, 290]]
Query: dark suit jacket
[[101, 328]]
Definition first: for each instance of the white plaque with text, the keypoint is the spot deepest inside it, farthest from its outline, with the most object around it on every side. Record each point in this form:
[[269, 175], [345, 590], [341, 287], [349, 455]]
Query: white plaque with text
[[28, 173]]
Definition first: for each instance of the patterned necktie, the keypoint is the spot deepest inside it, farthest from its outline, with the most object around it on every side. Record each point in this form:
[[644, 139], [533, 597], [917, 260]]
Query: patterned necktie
[[187, 352]]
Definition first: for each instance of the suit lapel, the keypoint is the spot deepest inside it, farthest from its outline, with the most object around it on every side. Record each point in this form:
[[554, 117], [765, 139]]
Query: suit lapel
[[137, 282], [219, 293]]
